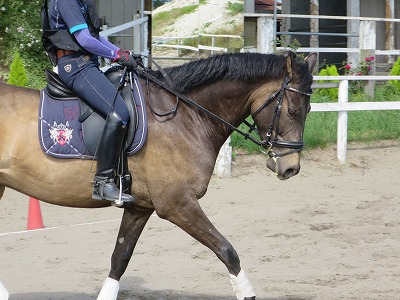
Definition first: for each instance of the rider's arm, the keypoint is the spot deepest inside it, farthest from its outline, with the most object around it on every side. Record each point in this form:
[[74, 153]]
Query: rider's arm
[[100, 46], [75, 21]]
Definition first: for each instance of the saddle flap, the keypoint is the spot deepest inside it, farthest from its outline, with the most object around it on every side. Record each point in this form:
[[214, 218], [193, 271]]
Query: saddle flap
[[114, 74]]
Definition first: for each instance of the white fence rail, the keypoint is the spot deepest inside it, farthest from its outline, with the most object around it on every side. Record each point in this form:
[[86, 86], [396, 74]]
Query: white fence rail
[[343, 106], [175, 42]]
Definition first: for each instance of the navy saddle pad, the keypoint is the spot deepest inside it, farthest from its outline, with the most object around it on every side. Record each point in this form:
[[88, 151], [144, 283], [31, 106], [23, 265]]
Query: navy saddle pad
[[69, 128]]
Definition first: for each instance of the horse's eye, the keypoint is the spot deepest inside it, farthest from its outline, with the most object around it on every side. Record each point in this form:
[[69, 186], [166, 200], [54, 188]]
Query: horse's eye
[[292, 112]]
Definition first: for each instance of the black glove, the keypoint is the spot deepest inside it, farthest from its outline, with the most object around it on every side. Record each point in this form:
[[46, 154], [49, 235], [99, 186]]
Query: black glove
[[138, 59], [125, 58]]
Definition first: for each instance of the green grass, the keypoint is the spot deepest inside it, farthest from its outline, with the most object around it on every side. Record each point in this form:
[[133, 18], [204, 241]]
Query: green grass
[[235, 8], [224, 42], [363, 126]]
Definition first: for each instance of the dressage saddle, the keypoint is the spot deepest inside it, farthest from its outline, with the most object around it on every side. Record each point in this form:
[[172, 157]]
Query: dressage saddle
[[92, 121]]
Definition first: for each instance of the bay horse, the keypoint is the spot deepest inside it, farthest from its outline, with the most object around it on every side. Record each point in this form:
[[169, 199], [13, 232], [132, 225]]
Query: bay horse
[[173, 169]]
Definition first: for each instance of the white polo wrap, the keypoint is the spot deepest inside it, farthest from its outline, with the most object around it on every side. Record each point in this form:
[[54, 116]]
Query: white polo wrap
[[110, 289], [241, 285], [3, 292]]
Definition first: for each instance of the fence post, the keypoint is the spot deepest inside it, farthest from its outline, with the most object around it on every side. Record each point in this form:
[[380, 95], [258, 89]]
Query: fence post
[[353, 27], [265, 35], [137, 37], [342, 122], [223, 165], [367, 49]]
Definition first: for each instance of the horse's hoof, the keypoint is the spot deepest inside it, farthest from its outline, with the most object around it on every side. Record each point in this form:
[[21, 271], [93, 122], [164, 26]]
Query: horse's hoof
[[123, 204]]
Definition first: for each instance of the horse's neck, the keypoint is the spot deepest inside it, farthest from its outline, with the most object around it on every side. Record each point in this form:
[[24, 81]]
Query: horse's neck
[[228, 101]]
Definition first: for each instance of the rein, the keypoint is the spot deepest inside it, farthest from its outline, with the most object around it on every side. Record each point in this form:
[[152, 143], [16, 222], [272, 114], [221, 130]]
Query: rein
[[266, 146], [191, 102]]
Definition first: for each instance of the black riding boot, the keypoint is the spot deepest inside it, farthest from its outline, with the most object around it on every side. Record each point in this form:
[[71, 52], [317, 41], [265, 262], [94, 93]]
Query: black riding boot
[[109, 150]]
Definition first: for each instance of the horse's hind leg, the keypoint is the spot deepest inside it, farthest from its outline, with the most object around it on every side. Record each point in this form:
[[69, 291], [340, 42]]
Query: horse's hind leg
[[190, 217], [132, 224], [2, 188]]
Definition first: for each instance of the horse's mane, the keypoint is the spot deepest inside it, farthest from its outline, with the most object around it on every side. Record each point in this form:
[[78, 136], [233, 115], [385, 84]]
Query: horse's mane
[[243, 66]]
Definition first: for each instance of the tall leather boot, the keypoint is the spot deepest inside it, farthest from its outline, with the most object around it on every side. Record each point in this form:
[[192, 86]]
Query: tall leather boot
[[109, 150]]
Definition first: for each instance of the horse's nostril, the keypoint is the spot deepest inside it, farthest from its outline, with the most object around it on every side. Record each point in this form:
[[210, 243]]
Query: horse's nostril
[[290, 173]]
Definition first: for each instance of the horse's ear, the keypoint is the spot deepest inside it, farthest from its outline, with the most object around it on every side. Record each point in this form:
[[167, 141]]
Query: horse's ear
[[311, 60], [290, 62]]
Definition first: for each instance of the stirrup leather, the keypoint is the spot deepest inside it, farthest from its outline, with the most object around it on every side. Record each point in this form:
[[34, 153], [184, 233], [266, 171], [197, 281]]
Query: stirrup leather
[[106, 189]]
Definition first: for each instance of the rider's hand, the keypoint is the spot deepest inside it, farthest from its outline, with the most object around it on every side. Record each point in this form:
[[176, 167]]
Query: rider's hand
[[125, 58]]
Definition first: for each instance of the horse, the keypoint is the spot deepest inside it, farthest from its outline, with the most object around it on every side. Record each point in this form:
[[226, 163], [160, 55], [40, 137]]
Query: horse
[[173, 169]]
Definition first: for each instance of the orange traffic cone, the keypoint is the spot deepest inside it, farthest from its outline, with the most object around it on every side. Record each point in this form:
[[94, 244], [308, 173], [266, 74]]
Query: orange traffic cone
[[35, 220]]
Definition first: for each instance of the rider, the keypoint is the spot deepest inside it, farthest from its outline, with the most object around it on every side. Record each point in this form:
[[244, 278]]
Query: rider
[[74, 31]]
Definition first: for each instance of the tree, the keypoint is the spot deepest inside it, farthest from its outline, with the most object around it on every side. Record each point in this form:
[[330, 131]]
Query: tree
[[17, 74]]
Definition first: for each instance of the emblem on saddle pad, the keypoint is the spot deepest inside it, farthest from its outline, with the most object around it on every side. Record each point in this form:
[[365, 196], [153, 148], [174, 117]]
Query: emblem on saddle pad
[[61, 134]]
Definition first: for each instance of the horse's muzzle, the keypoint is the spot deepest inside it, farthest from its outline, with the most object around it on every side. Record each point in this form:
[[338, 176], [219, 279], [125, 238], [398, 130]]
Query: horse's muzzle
[[278, 166]]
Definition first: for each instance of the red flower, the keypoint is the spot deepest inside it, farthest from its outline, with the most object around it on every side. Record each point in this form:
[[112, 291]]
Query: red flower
[[348, 67]]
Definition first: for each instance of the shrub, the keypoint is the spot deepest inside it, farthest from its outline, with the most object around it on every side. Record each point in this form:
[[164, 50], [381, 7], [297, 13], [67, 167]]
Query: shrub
[[17, 74], [363, 69], [395, 84], [329, 92]]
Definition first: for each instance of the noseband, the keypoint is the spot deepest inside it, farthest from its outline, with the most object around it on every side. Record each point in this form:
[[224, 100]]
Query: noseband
[[267, 145]]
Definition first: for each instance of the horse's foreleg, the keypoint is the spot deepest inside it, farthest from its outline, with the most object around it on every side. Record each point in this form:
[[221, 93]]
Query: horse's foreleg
[[3, 292], [191, 218], [132, 224]]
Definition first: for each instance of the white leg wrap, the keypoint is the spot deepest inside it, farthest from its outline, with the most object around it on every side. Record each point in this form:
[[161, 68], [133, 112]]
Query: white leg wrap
[[241, 285], [110, 289], [3, 292]]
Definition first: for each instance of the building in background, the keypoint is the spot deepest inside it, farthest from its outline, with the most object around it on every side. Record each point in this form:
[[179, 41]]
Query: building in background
[[123, 12], [341, 32]]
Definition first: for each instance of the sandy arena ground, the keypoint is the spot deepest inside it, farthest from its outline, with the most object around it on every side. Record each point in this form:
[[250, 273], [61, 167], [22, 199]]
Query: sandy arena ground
[[331, 232]]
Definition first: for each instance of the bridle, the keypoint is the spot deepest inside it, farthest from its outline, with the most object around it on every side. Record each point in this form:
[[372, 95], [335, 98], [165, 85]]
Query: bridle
[[267, 145]]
